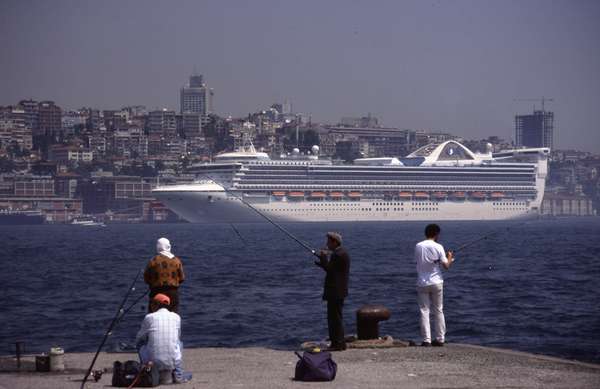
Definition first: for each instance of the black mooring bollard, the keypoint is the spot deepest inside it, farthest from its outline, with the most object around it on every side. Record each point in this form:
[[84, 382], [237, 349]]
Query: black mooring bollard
[[367, 320]]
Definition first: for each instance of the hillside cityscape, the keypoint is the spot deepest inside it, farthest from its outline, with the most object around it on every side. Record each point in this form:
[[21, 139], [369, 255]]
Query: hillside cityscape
[[61, 164]]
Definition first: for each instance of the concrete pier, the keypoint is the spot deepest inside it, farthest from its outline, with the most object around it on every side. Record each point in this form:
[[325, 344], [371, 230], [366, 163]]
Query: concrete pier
[[452, 366]]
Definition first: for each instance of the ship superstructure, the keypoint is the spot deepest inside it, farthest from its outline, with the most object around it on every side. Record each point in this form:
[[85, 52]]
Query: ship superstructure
[[442, 181]]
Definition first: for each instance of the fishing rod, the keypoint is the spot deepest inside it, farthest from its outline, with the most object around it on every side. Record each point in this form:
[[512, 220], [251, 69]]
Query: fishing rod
[[126, 311], [289, 234], [468, 244], [112, 325]]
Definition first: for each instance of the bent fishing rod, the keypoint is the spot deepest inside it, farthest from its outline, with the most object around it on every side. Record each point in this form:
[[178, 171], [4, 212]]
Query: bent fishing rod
[[115, 320], [289, 234]]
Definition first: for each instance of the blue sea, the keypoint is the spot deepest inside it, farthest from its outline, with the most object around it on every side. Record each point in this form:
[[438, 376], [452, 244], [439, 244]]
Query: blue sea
[[529, 286]]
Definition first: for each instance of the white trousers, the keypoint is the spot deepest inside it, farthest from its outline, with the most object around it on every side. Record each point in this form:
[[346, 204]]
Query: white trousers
[[431, 298]]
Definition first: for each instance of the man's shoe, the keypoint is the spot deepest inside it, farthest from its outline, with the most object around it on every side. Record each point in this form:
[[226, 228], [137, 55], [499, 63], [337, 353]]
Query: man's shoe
[[185, 377], [425, 344], [437, 343], [337, 347]]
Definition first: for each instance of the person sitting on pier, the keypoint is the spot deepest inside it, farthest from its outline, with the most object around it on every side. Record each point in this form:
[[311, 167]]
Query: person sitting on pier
[[158, 340], [335, 288], [164, 274], [430, 284]]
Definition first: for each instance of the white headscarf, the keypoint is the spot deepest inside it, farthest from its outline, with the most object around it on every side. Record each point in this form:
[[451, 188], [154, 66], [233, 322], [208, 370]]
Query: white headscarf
[[163, 247]]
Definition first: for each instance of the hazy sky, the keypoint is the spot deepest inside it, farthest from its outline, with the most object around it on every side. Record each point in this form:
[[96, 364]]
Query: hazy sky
[[443, 65]]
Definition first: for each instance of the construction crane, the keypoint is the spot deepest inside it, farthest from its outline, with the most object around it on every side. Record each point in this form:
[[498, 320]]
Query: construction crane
[[543, 100]]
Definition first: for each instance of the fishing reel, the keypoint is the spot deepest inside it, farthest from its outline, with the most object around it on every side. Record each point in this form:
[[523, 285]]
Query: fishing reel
[[97, 374]]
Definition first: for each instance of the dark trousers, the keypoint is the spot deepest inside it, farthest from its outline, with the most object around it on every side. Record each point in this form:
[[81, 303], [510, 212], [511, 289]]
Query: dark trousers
[[171, 291], [335, 322]]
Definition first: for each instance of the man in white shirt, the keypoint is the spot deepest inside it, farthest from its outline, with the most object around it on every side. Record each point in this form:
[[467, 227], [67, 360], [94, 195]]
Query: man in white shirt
[[159, 340], [430, 284]]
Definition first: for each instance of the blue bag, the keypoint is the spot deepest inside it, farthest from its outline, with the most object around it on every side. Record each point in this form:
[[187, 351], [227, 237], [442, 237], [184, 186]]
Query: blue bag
[[315, 367]]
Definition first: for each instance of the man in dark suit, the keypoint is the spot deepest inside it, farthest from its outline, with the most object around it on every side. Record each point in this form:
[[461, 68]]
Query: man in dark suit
[[335, 288]]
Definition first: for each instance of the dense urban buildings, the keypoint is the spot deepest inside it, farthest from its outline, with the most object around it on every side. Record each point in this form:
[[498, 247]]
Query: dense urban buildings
[[68, 162]]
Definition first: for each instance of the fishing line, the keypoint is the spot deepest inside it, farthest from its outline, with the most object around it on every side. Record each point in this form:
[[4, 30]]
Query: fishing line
[[112, 325], [485, 236], [238, 234], [289, 234]]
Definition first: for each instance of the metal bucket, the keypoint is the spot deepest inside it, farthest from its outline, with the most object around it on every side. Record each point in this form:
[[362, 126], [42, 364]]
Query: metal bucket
[[57, 361]]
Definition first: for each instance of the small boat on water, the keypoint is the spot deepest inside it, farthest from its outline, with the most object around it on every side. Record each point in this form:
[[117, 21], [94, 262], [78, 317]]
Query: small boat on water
[[88, 221]]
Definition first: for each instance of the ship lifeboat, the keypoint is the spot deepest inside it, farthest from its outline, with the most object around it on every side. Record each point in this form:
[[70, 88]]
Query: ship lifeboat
[[318, 195], [478, 196], [497, 195], [296, 195], [354, 195], [405, 195], [336, 195], [458, 195], [278, 194], [421, 195], [440, 195]]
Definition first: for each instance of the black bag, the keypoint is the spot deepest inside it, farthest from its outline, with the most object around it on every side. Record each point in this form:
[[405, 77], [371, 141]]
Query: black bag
[[315, 367], [124, 374]]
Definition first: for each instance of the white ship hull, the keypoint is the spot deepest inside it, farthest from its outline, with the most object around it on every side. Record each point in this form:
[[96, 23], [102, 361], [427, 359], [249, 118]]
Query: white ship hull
[[434, 187], [219, 207]]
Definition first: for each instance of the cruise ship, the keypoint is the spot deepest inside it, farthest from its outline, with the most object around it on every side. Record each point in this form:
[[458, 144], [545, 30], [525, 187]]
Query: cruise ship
[[442, 181]]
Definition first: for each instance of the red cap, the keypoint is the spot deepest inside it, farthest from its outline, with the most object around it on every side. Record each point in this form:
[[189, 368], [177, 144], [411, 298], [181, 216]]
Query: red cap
[[162, 299]]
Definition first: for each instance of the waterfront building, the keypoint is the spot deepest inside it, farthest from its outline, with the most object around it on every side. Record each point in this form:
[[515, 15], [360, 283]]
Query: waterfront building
[[71, 120], [121, 197], [371, 142], [32, 186], [564, 204], [60, 153], [30, 107], [130, 142], [50, 119], [535, 130], [93, 119], [196, 98], [13, 128], [364, 122], [114, 120], [163, 122], [191, 125]]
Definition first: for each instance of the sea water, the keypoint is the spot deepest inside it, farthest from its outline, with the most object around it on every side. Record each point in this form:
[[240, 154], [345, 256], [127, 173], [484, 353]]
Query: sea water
[[529, 286]]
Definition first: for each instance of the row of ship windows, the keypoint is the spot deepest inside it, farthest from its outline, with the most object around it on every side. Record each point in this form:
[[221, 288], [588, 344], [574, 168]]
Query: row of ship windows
[[333, 205], [384, 209]]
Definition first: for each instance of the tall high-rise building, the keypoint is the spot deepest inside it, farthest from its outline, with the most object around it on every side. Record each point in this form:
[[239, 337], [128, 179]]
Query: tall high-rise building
[[196, 98], [50, 118], [535, 130]]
